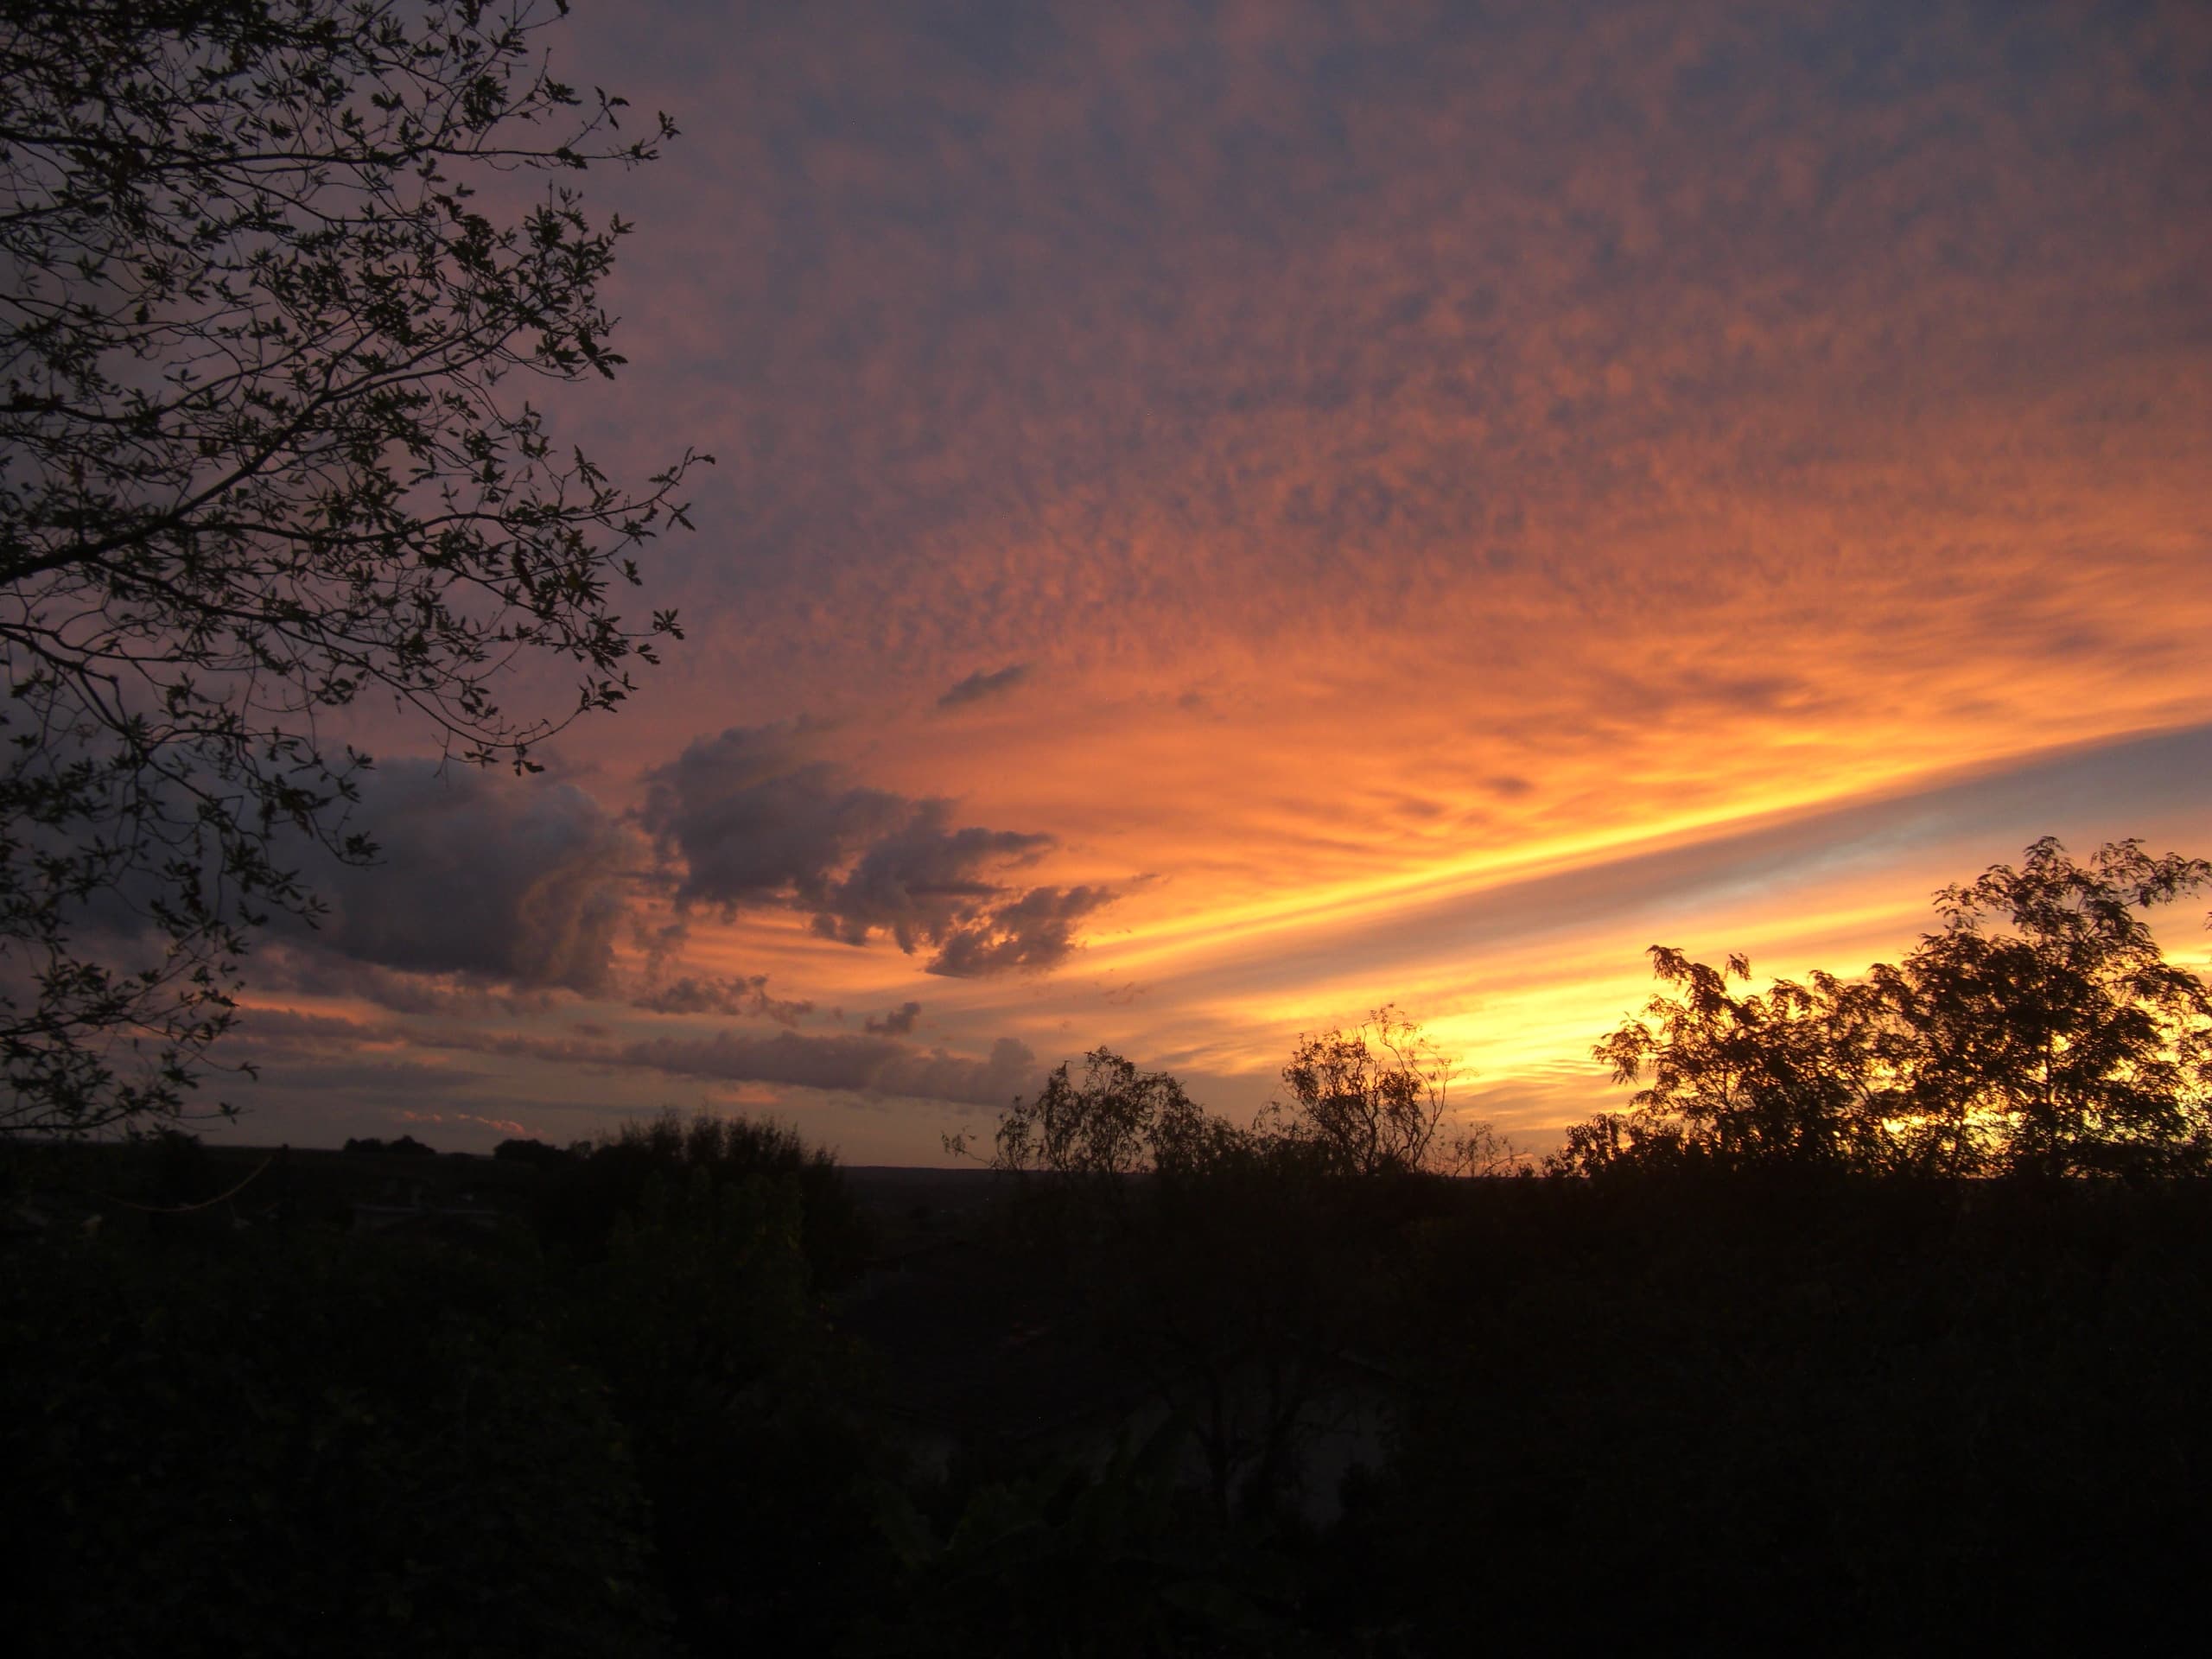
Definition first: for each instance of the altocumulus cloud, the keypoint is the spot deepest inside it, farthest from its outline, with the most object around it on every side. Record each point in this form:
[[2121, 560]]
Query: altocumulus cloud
[[755, 822]]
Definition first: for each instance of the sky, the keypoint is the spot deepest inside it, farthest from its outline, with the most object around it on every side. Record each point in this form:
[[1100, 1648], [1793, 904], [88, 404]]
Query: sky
[[1227, 516]]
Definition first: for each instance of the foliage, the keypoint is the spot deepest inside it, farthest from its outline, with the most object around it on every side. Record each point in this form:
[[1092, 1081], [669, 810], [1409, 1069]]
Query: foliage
[[598, 1183], [702, 1292], [1370, 1100], [1231, 1266], [281, 1423], [1245, 1291], [2038, 1032], [270, 273], [406, 1147], [538, 1153], [743, 1402], [1083, 1560], [1842, 1417], [1116, 1122], [268, 1445], [2051, 1036], [1374, 1101], [1889, 1413], [1799, 1075]]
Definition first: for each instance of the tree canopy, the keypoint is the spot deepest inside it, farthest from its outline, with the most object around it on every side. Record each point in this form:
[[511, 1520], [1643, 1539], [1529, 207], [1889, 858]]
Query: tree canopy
[[1369, 1100], [1115, 1121], [2039, 1030], [274, 271]]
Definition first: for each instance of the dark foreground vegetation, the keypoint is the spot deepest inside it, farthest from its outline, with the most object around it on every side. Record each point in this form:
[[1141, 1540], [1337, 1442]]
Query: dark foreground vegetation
[[1879, 1323], [665, 1402]]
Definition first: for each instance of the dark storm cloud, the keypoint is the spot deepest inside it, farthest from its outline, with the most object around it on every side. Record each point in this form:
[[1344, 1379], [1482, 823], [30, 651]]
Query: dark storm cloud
[[310, 970], [755, 822], [923, 880], [1035, 931], [737, 994], [896, 1023], [979, 685], [484, 876]]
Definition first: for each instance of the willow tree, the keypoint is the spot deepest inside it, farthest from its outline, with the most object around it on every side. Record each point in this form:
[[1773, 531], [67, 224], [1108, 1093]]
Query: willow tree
[[275, 275]]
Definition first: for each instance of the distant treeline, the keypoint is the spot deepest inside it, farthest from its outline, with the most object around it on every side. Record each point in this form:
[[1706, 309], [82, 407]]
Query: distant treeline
[[2038, 1032]]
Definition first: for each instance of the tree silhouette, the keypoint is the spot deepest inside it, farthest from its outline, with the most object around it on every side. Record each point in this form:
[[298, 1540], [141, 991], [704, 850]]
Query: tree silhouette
[[2038, 1031], [1115, 1122], [2051, 1035], [270, 277], [1799, 1074], [1235, 1266], [1369, 1101]]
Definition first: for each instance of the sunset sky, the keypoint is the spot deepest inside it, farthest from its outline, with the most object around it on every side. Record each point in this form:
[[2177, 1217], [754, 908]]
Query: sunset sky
[[1228, 515]]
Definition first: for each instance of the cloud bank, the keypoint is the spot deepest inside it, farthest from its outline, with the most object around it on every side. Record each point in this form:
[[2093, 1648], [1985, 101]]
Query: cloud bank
[[740, 995], [875, 1064], [480, 879], [844, 1062]]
